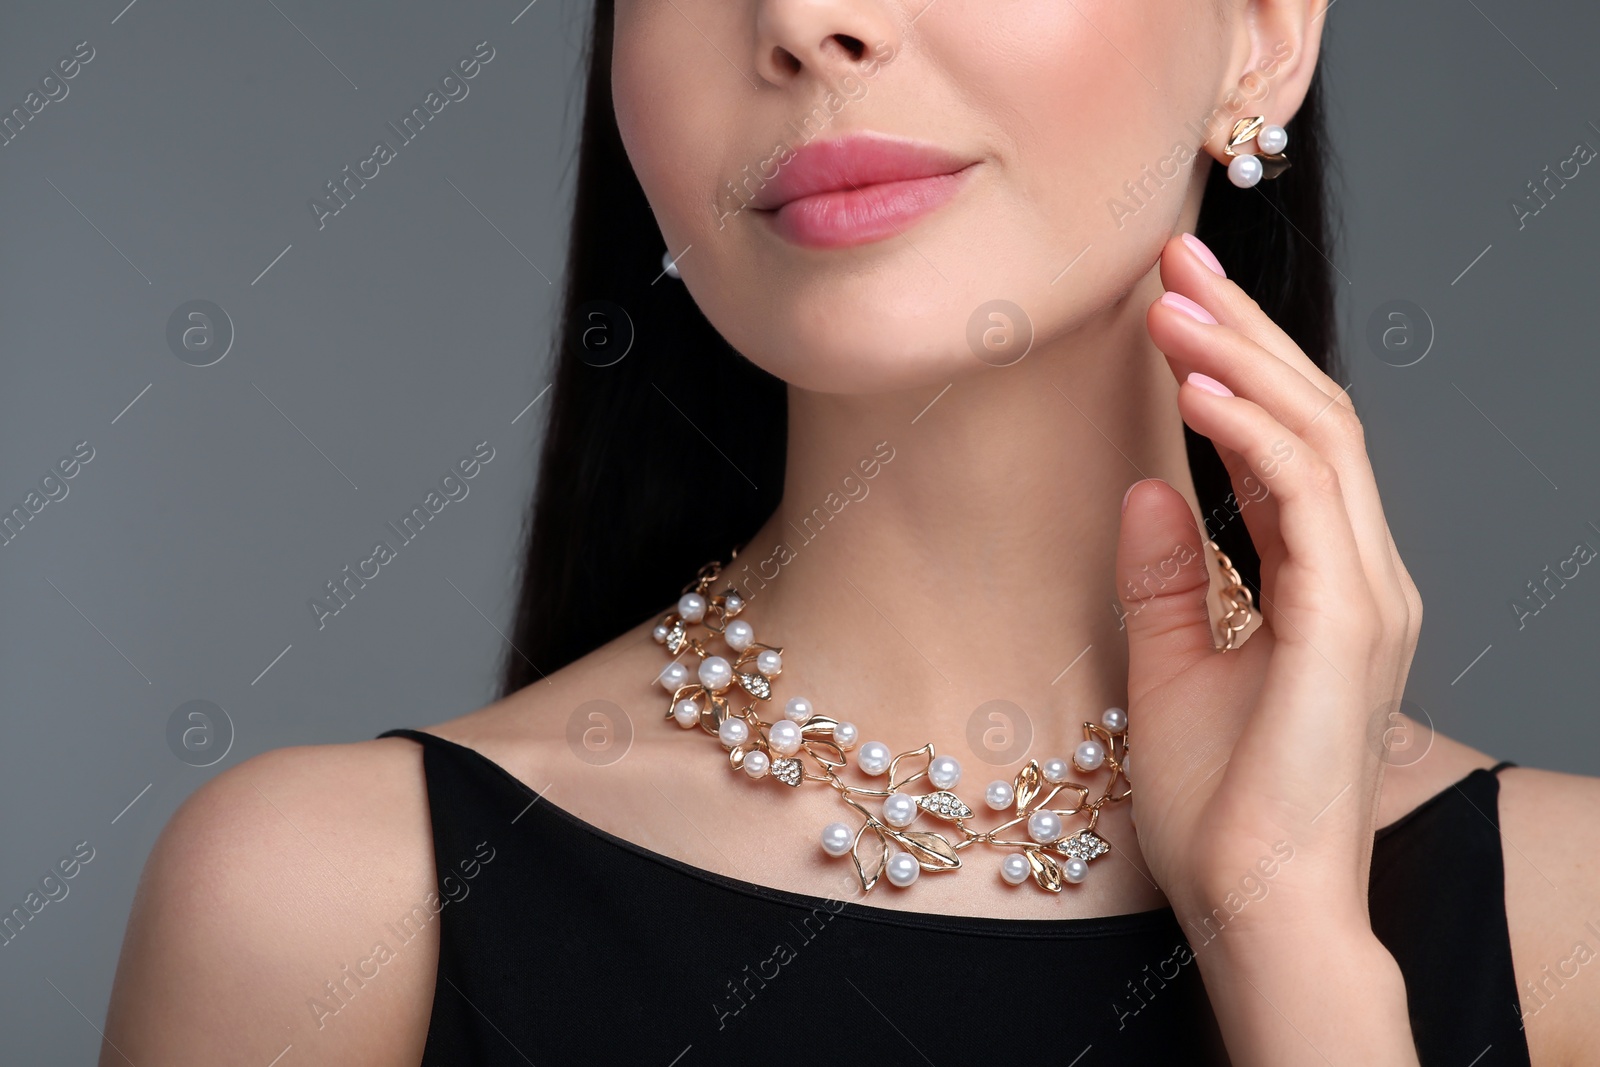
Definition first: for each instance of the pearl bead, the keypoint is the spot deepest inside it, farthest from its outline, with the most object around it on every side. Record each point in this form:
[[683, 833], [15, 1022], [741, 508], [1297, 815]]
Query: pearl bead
[[692, 606], [902, 869], [733, 732], [669, 265], [845, 735], [1074, 870], [944, 772], [874, 757], [837, 838], [798, 708], [1090, 755], [756, 764], [999, 795], [1044, 826], [784, 737], [769, 662], [739, 635], [1244, 171], [687, 712], [1015, 868], [660, 633], [1272, 140], [1115, 720], [1056, 771], [733, 603], [672, 676], [1127, 760], [716, 673], [899, 810]]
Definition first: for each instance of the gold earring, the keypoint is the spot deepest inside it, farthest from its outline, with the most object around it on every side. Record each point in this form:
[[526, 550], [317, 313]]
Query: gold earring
[[1268, 161]]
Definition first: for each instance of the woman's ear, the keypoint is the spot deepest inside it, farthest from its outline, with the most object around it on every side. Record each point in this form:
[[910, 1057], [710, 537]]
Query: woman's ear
[[1276, 44]]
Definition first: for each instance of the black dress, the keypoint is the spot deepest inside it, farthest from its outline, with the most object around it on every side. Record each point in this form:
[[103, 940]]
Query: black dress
[[563, 944]]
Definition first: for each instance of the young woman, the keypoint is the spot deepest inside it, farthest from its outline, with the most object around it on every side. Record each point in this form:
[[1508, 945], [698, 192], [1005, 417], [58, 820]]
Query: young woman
[[999, 337]]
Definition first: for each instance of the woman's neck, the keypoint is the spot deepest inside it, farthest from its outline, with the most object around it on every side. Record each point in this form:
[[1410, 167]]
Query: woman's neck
[[937, 551]]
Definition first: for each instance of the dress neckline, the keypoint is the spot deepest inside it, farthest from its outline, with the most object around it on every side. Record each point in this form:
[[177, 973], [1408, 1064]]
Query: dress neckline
[[1076, 927]]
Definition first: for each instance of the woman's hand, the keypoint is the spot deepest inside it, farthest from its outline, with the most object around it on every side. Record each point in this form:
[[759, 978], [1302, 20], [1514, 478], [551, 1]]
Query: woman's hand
[[1256, 771]]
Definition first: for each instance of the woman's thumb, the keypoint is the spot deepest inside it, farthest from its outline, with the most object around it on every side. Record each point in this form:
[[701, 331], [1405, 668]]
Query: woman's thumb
[[1163, 576]]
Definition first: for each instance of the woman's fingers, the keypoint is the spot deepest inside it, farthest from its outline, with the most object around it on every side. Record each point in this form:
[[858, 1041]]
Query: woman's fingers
[[1323, 597], [1258, 361], [1184, 270], [1196, 345], [1206, 323], [1221, 353], [1162, 576], [1310, 723], [1252, 496]]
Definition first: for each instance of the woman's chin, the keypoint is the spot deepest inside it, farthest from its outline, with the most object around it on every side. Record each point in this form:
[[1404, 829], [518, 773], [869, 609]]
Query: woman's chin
[[853, 368]]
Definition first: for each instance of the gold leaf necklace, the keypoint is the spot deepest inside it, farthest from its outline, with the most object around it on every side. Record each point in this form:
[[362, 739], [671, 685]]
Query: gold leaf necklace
[[1037, 805]]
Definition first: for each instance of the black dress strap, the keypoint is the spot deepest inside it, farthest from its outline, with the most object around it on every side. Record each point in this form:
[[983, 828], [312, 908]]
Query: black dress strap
[[415, 735], [1437, 902], [1502, 765]]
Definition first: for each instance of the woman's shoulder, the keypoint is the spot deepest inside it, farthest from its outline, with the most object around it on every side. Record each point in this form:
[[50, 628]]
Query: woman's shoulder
[[271, 893], [572, 724], [1548, 824], [1550, 831], [265, 899]]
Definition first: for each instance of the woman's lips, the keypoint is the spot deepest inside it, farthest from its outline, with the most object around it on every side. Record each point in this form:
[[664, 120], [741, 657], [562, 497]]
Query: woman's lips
[[864, 214], [857, 189]]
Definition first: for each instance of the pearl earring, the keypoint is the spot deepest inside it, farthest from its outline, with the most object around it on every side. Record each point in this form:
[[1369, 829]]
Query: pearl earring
[[1245, 170], [670, 265]]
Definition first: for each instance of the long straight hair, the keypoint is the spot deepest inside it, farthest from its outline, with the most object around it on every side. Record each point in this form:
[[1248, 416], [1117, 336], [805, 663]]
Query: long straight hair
[[634, 449]]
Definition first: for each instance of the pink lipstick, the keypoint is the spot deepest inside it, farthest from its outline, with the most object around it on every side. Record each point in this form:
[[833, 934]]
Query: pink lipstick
[[858, 189]]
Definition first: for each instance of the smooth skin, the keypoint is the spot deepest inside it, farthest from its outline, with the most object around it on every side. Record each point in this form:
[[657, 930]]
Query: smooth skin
[[976, 568]]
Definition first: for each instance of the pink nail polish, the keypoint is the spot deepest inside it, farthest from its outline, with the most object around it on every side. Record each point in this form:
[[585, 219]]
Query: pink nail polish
[[1179, 302], [1208, 383], [1205, 254]]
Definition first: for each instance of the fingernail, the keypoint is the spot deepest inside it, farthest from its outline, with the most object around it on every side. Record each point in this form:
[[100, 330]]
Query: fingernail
[[1179, 302], [1129, 492], [1208, 383], [1207, 257]]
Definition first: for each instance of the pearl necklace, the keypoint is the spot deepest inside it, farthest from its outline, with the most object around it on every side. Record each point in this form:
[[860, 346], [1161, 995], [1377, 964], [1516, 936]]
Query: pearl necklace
[[804, 746]]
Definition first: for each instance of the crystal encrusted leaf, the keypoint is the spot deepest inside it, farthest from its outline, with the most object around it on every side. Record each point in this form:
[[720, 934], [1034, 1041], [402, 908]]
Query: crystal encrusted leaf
[[1084, 845], [677, 637], [945, 805], [787, 770], [756, 685]]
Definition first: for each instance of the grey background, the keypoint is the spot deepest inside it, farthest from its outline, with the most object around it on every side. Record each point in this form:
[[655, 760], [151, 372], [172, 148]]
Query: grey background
[[377, 351]]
